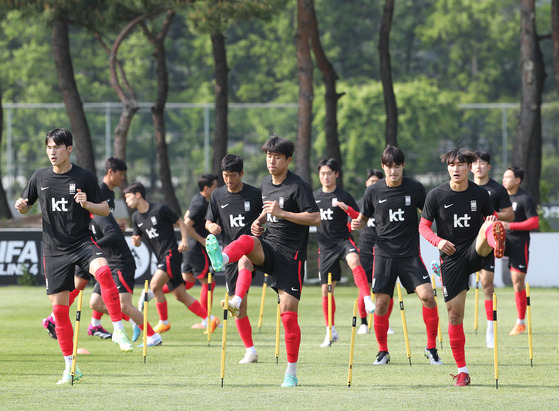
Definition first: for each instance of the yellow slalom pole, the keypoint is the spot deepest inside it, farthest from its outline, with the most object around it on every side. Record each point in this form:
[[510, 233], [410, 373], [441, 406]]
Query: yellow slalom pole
[[76, 334], [476, 309], [529, 318], [224, 337], [278, 320], [404, 325], [352, 345], [330, 308], [495, 351], [370, 322], [145, 336], [264, 285], [209, 321], [435, 296]]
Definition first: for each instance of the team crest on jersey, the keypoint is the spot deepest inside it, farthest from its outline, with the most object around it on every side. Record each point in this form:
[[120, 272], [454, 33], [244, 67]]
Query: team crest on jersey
[[247, 205], [72, 188], [407, 199], [153, 220], [473, 205], [281, 201], [514, 204]]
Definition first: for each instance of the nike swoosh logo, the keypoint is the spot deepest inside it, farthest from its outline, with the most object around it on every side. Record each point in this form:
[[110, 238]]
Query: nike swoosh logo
[[521, 266], [141, 224], [44, 188], [382, 201], [425, 277], [99, 253], [318, 201], [294, 289], [224, 205], [263, 197], [448, 205]]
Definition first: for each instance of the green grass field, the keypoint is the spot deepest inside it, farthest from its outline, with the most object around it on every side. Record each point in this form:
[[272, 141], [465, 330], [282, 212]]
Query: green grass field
[[184, 373]]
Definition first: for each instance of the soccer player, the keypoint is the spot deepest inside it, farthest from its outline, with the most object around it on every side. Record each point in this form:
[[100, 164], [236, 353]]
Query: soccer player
[[335, 241], [394, 203], [232, 210], [503, 209], [155, 222], [289, 209], [115, 172], [518, 239], [465, 241], [67, 194], [195, 263]]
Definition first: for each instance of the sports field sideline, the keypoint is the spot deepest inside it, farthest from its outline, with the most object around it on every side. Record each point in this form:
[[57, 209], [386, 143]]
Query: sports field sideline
[[184, 373]]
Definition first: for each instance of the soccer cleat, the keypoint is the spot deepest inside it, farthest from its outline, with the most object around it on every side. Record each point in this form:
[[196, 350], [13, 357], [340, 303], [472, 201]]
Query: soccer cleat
[[436, 268], [383, 358], [249, 358], [233, 308], [142, 298], [120, 338], [289, 381], [499, 236], [462, 379], [390, 330], [153, 341], [369, 304], [489, 340], [433, 356], [199, 326], [98, 331], [214, 252], [67, 376], [363, 329], [162, 328], [136, 333], [213, 325], [518, 329], [327, 343], [50, 325]]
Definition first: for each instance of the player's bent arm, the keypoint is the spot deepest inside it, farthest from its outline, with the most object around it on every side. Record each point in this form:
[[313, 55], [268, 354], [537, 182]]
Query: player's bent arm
[[212, 227], [136, 240], [359, 222], [189, 224], [101, 209], [532, 223], [183, 245], [506, 214], [21, 205], [304, 218]]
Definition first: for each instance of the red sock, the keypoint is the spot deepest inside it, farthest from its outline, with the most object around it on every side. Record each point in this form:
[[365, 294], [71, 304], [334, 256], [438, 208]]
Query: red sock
[[124, 317], [109, 292], [198, 309], [431, 320], [381, 330], [245, 331], [360, 279], [489, 310], [188, 284], [96, 314], [521, 303], [64, 330], [162, 311], [241, 246], [292, 335], [325, 309], [457, 342], [73, 294], [150, 330], [166, 289], [243, 282], [390, 306], [489, 236], [361, 307]]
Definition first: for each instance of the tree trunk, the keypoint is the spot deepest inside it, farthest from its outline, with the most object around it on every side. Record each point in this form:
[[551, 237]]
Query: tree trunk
[[221, 107], [555, 32], [391, 132], [527, 151], [74, 107], [305, 75], [5, 211], [331, 97]]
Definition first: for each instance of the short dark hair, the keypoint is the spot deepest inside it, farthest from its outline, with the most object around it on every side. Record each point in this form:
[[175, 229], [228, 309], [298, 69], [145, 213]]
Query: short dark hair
[[517, 171], [458, 154], [232, 163], [60, 136], [278, 145], [330, 162], [115, 164], [392, 155], [206, 180], [483, 156], [375, 172], [134, 188]]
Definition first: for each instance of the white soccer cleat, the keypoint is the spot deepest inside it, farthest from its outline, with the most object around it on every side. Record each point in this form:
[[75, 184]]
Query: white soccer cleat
[[369, 304], [249, 358], [327, 342], [390, 330], [363, 329], [433, 356]]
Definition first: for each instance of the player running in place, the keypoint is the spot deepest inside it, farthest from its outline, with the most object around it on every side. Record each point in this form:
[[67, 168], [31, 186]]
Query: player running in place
[[195, 263], [518, 239], [394, 203], [503, 209], [155, 223], [335, 241], [289, 209], [67, 194], [465, 241], [233, 208]]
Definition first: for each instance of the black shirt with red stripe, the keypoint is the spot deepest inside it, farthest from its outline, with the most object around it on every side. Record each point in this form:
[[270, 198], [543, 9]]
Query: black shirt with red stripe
[[498, 195], [524, 207], [156, 226], [333, 220]]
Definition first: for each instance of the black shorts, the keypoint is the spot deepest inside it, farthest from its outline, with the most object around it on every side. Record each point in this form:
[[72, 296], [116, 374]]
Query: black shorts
[[329, 259], [171, 265], [518, 254], [386, 270], [285, 270], [86, 275], [231, 275], [456, 270], [490, 266], [124, 280], [59, 267], [367, 262], [196, 262]]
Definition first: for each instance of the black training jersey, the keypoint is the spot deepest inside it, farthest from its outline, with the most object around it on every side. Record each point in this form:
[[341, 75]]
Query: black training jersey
[[197, 213], [111, 240], [157, 227], [458, 214], [65, 222], [498, 195], [524, 207], [333, 220], [396, 217], [109, 195], [234, 212], [368, 234], [294, 195]]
